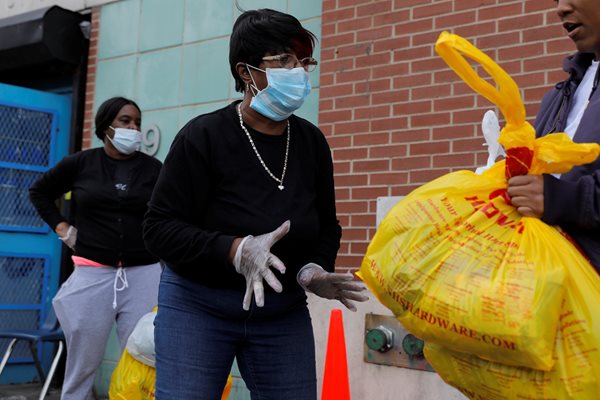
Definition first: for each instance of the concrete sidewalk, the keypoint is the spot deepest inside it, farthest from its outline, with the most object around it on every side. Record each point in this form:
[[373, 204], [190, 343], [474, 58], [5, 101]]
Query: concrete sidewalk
[[29, 391]]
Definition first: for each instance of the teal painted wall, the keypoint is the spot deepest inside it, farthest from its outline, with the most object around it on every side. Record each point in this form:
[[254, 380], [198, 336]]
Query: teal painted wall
[[171, 57]]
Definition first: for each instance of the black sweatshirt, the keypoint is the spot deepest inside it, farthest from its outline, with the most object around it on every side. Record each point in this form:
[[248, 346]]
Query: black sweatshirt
[[108, 218], [212, 189]]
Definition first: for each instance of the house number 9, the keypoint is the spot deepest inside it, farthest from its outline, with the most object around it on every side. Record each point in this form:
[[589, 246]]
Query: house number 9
[[150, 139]]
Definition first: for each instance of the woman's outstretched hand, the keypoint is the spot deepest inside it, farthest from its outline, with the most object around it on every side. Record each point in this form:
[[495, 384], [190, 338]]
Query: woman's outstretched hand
[[313, 278], [253, 259]]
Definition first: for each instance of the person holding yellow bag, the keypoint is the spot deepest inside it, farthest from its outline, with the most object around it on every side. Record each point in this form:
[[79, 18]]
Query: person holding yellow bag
[[571, 200], [567, 367], [479, 277]]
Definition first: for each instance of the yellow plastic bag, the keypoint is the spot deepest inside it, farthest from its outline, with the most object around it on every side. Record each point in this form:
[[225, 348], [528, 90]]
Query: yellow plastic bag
[[577, 353], [456, 263], [554, 153], [134, 380], [134, 377]]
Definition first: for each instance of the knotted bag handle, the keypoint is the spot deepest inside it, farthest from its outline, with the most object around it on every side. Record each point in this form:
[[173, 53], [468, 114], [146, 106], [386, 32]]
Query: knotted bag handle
[[518, 135]]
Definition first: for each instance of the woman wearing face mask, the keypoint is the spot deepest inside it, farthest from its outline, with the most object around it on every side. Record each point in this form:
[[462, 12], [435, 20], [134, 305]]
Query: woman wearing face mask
[[246, 194], [571, 200], [115, 278]]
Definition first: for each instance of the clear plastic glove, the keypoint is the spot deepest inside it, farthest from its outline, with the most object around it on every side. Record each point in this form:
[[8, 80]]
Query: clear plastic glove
[[329, 285], [253, 259], [70, 238]]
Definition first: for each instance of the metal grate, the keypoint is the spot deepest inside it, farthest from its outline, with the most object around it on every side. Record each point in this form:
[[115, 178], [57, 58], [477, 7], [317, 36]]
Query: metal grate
[[25, 136], [16, 211], [21, 291], [25, 147], [28, 319], [21, 280]]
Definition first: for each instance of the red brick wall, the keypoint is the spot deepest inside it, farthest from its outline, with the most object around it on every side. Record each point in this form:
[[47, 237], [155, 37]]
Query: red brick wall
[[395, 115], [88, 119]]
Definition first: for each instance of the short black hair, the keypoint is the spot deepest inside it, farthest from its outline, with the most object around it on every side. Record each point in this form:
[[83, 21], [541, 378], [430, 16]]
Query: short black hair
[[258, 32], [108, 111]]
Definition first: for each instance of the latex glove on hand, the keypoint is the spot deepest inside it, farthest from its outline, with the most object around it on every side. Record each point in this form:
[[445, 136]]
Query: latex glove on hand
[[329, 285], [253, 259], [70, 238]]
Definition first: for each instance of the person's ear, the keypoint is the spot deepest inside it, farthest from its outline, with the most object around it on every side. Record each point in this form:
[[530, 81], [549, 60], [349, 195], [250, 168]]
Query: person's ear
[[107, 132], [243, 72]]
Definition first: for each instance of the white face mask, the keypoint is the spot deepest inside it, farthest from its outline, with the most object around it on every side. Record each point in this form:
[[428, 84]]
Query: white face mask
[[126, 141]]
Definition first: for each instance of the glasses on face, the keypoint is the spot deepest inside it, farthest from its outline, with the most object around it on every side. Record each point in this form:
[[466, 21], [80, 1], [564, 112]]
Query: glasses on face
[[290, 61]]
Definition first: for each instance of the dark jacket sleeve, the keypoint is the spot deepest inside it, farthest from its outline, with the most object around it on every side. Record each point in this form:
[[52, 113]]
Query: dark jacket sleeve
[[172, 225], [330, 230], [575, 203], [574, 199], [50, 186]]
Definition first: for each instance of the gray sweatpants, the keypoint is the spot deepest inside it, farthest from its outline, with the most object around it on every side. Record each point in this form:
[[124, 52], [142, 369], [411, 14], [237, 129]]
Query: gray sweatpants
[[88, 304]]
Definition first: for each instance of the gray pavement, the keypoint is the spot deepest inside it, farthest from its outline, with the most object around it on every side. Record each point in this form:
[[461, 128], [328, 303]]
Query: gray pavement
[[29, 391]]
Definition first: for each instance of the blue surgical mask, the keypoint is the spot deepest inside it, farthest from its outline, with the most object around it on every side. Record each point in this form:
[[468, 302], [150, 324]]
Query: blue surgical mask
[[126, 141], [285, 92]]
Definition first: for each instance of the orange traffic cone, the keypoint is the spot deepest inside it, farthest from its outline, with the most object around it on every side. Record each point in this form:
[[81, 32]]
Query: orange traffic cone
[[335, 375]]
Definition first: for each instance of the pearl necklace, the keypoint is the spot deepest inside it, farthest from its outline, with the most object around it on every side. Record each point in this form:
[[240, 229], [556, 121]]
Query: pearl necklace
[[287, 150]]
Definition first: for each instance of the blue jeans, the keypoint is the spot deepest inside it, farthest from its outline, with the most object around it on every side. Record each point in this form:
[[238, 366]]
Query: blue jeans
[[200, 330]]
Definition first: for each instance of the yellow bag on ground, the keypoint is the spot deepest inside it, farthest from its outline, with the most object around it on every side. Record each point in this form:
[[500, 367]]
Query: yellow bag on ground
[[134, 377], [575, 374], [457, 264], [134, 380]]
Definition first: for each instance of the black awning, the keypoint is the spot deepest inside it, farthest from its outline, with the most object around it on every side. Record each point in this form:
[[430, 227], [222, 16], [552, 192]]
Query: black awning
[[50, 36]]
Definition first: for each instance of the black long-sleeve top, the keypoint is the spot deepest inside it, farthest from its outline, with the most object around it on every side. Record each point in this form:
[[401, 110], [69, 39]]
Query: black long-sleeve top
[[212, 189], [108, 218]]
